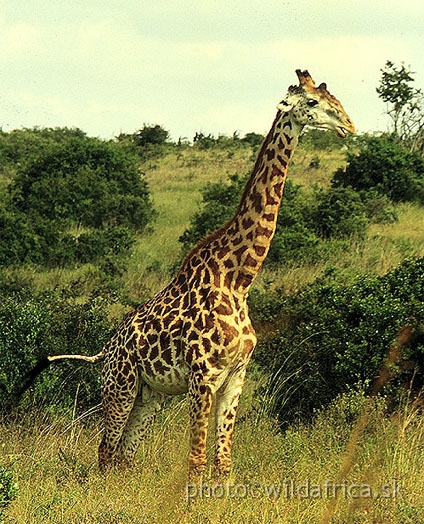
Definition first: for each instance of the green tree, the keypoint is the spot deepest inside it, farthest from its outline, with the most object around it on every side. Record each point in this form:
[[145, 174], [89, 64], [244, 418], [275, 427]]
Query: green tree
[[253, 139], [151, 135], [61, 179], [405, 104]]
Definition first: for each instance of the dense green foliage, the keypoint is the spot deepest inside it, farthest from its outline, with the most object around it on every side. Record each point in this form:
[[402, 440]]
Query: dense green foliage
[[67, 199], [334, 336], [70, 199], [304, 220], [35, 325], [387, 168]]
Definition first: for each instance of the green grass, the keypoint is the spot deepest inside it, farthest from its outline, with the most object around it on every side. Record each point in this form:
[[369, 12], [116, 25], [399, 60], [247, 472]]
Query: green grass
[[284, 478]]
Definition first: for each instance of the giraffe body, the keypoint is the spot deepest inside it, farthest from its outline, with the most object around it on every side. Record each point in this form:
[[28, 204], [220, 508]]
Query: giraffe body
[[195, 336]]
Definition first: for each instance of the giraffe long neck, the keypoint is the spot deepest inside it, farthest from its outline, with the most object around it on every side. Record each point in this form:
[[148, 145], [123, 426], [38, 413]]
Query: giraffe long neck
[[249, 233]]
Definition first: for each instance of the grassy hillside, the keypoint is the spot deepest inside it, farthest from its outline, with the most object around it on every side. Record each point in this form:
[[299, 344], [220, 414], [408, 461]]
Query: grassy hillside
[[177, 179]]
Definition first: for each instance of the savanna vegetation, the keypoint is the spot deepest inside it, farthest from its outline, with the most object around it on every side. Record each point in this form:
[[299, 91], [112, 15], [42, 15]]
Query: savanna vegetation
[[330, 427]]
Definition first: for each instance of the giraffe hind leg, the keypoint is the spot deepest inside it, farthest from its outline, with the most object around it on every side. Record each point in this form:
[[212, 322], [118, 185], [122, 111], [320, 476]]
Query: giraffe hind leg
[[119, 394], [116, 413], [128, 416], [139, 422]]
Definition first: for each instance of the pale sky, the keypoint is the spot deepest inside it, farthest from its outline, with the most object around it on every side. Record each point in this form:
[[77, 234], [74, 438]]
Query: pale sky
[[214, 66]]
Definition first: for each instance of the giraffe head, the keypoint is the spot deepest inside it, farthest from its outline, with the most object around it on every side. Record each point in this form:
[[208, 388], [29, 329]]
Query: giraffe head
[[315, 106]]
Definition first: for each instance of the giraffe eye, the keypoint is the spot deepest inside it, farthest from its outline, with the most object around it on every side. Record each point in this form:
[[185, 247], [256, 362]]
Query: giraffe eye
[[312, 102]]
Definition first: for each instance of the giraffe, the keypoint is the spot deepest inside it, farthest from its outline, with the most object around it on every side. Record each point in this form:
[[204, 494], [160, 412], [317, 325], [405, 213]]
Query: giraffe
[[195, 336]]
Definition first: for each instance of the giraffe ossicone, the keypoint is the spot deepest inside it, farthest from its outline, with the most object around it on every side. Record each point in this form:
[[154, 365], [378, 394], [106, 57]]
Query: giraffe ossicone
[[195, 336]]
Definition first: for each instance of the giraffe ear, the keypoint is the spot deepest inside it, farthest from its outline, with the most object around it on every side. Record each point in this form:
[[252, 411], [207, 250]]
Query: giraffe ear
[[284, 105]]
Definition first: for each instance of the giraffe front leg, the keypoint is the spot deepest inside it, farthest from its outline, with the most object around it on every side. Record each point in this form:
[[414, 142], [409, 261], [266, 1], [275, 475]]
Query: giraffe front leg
[[200, 403], [227, 400]]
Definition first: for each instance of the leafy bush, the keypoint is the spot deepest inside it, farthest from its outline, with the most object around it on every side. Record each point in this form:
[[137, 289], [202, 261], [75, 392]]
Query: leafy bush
[[83, 180], [384, 166], [94, 245], [65, 179], [304, 221], [17, 237], [332, 336], [33, 326], [378, 208], [338, 212], [22, 145], [203, 141]]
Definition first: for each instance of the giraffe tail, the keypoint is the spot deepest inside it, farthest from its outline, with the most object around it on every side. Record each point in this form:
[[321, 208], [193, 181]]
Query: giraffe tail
[[43, 364], [95, 358]]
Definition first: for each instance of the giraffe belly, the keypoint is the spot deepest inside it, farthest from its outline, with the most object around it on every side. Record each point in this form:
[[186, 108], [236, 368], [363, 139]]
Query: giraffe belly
[[171, 381]]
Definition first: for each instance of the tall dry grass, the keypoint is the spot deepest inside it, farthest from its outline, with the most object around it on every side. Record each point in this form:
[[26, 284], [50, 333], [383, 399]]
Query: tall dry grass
[[277, 478]]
